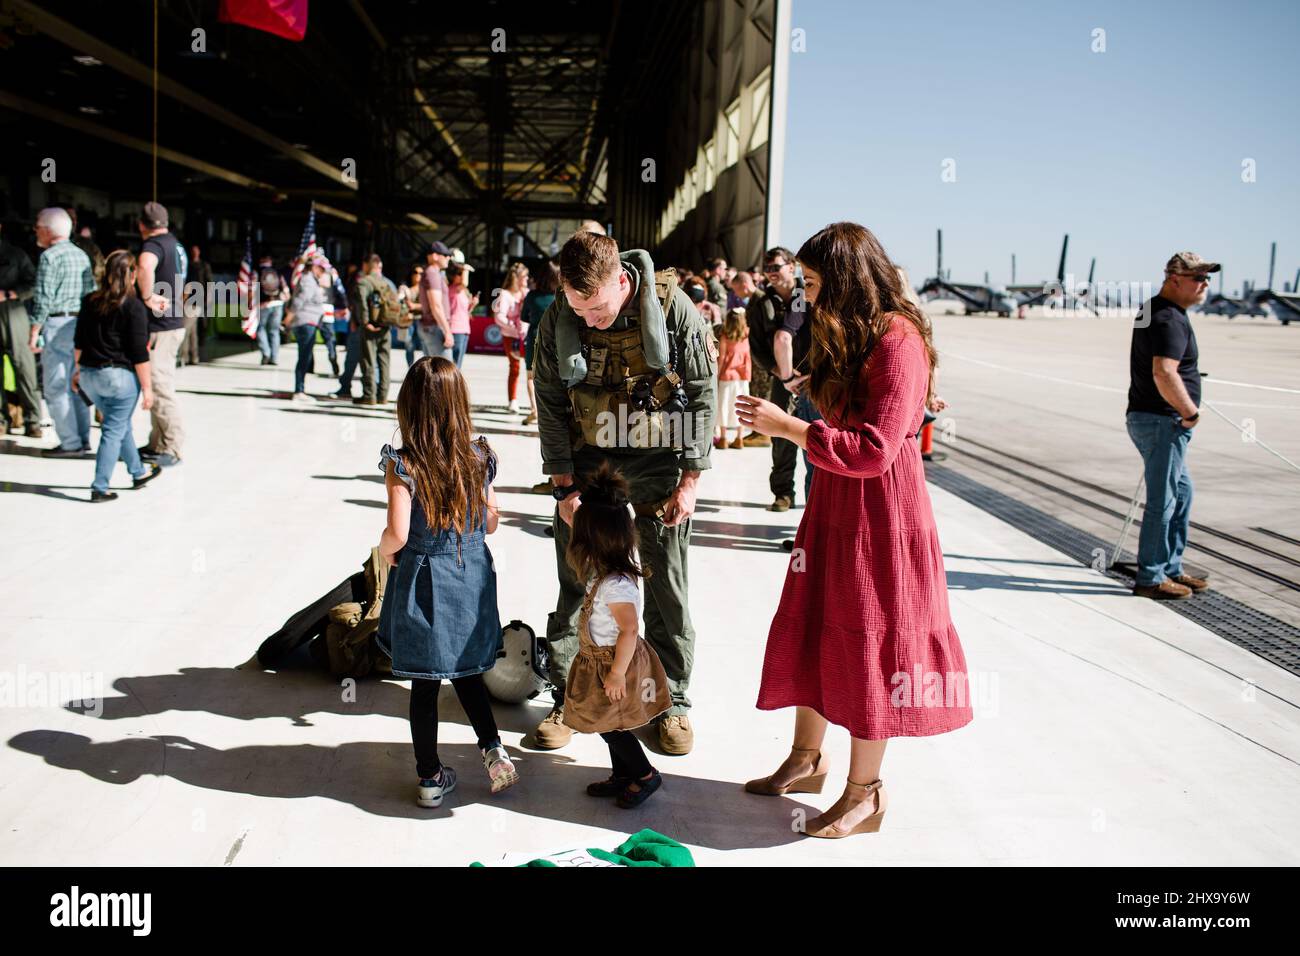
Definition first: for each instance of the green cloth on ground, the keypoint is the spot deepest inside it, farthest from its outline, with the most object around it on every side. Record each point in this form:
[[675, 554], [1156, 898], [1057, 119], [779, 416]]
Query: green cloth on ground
[[643, 848]]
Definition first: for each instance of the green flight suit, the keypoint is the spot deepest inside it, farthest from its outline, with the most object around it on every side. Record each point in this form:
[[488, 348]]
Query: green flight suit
[[652, 475]]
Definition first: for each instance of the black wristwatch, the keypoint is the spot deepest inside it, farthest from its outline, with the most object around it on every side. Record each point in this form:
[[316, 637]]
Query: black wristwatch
[[1192, 418], [563, 491]]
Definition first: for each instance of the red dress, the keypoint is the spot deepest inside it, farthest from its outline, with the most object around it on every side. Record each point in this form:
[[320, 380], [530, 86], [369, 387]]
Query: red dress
[[862, 634]]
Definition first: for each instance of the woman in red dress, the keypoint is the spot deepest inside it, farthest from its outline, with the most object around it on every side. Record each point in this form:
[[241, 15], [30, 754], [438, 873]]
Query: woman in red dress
[[862, 637]]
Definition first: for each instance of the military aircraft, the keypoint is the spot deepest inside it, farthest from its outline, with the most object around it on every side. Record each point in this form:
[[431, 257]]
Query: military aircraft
[[975, 297], [1055, 293], [1283, 306]]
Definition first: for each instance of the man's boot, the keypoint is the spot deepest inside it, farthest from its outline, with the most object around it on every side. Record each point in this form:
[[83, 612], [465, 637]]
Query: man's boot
[[551, 734], [782, 503], [675, 735]]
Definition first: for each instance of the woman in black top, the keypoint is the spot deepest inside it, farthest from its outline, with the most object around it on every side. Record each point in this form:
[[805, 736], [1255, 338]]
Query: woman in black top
[[112, 369]]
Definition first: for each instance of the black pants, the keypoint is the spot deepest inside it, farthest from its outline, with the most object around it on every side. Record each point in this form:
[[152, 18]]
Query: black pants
[[785, 453], [625, 754], [473, 696]]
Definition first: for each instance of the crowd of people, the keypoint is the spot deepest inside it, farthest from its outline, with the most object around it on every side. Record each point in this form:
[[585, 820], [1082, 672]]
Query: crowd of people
[[105, 331], [824, 353]]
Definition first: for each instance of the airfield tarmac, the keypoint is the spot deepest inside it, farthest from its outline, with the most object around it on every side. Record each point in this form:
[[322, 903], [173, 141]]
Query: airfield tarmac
[[1051, 389]]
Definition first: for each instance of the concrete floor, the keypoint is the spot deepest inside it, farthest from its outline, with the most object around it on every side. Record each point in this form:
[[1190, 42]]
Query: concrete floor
[[1108, 730]]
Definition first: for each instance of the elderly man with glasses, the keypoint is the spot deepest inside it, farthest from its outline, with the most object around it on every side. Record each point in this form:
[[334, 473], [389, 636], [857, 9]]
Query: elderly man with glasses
[[1164, 396]]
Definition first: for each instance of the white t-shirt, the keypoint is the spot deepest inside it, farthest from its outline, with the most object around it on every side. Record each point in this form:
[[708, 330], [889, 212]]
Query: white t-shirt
[[615, 589]]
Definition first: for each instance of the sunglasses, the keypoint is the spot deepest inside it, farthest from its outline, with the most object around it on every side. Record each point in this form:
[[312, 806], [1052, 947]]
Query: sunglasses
[[1199, 280], [774, 267]]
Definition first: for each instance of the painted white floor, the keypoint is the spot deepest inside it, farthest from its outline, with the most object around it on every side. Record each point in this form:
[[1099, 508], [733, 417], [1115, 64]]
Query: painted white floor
[[1108, 729]]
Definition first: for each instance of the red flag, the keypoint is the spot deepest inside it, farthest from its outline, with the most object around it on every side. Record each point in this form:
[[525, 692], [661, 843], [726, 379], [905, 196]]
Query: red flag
[[284, 18]]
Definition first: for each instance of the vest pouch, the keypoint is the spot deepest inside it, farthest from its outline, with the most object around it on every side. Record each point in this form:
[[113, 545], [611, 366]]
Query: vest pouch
[[596, 365], [608, 420]]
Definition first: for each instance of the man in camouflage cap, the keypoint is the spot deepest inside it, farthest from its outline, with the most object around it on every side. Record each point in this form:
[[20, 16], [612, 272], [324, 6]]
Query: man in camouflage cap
[[1164, 396]]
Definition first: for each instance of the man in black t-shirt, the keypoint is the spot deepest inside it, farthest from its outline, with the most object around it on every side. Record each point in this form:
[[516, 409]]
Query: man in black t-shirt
[[1164, 396], [160, 275], [779, 340]]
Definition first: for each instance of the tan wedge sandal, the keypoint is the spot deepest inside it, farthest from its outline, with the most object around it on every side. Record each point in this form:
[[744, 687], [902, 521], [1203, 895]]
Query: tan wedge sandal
[[812, 783], [828, 829]]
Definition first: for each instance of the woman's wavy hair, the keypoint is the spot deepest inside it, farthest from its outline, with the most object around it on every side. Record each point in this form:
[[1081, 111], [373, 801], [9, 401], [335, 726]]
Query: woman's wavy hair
[[603, 540], [438, 445], [118, 282], [860, 291], [516, 279]]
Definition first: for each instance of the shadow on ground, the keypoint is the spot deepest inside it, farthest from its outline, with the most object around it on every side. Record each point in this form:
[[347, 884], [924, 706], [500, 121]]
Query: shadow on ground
[[377, 777]]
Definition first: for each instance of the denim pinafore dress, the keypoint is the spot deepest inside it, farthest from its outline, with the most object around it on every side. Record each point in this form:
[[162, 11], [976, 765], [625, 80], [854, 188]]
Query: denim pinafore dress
[[439, 618]]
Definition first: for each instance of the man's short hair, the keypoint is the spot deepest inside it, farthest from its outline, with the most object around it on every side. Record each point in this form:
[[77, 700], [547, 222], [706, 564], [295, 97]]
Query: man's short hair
[[715, 264], [374, 259], [588, 261], [778, 251], [591, 225], [55, 219]]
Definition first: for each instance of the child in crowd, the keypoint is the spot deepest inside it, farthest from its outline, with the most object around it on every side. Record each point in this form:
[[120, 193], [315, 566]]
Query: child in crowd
[[439, 617], [734, 370], [616, 682]]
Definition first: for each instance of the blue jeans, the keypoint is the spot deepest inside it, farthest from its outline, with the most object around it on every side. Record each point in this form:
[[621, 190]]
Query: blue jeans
[[431, 340], [350, 363], [305, 335], [459, 343], [114, 392], [268, 329], [70, 414], [806, 412], [412, 340], [1162, 442]]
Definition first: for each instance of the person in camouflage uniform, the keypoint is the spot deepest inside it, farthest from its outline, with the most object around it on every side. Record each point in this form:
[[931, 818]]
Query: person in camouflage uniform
[[625, 372]]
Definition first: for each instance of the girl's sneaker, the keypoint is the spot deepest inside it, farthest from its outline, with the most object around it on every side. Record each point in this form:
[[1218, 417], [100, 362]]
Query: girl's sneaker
[[500, 770], [432, 789]]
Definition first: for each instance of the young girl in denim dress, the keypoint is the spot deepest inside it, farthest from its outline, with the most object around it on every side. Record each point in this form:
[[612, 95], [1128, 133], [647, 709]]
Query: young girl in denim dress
[[439, 618]]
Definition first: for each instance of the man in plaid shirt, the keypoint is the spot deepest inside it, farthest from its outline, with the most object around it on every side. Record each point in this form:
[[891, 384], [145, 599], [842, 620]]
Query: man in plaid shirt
[[63, 279]]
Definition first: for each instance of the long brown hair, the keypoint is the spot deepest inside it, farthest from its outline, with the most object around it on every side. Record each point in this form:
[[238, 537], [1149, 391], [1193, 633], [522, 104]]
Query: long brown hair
[[860, 291], [603, 540], [117, 284], [438, 445]]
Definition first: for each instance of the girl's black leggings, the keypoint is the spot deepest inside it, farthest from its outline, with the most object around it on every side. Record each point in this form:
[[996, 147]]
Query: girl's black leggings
[[473, 696], [625, 754]]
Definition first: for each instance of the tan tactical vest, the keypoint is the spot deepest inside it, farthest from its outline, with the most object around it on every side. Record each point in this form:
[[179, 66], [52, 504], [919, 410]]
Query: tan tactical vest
[[605, 404]]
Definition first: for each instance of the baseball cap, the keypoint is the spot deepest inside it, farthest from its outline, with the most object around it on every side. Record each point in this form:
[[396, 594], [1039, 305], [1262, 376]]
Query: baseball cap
[[458, 257], [437, 247], [1189, 263], [154, 215], [319, 260]]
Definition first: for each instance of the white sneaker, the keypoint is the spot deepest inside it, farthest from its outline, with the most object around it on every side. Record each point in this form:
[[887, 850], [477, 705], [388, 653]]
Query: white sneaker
[[430, 791], [514, 408], [500, 770], [302, 397]]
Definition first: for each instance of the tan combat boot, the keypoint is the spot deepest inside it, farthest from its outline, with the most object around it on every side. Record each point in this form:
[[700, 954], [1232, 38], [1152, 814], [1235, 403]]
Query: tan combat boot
[[675, 735], [551, 734]]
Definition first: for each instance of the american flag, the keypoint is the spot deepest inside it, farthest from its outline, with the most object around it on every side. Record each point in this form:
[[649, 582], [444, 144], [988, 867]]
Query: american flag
[[306, 248], [248, 288]]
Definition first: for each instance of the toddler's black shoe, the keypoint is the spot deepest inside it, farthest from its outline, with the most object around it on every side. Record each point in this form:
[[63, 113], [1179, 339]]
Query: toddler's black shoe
[[630, 798]]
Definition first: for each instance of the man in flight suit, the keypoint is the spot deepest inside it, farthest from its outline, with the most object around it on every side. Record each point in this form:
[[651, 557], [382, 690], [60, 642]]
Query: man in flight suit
[[625, 372]]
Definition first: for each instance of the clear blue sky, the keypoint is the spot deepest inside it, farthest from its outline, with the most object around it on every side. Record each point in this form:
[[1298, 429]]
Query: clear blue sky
[[1135, 152]]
